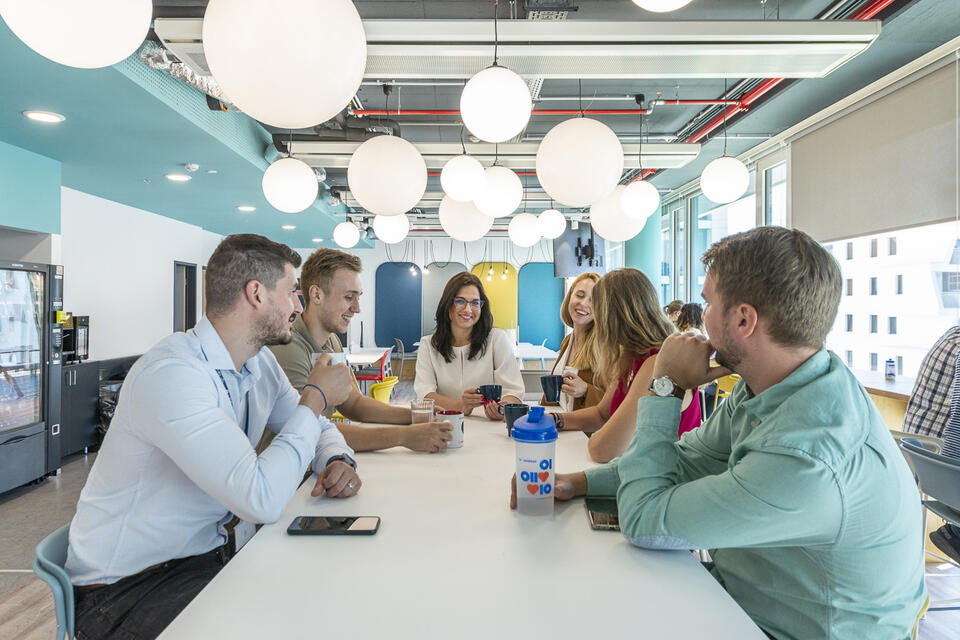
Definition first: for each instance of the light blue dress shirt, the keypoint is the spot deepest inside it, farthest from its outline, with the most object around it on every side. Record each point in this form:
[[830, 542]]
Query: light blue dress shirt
[[176, 460]]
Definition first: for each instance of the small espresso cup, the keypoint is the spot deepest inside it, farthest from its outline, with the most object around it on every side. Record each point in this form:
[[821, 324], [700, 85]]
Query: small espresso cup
[[335, 358], [455, 418], [490, 392], [551, 387], [513, 411]]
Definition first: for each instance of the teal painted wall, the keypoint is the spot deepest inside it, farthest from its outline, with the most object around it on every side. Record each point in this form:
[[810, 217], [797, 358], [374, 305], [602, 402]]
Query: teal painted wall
[[29, 190], [643, 251]]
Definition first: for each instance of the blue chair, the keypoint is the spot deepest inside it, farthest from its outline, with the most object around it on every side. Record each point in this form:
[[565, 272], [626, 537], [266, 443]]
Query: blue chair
[[48, 561]]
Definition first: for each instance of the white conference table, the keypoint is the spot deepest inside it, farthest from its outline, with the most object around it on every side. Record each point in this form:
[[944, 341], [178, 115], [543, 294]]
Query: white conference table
[[451, 560], [530, 351], [364, 357]]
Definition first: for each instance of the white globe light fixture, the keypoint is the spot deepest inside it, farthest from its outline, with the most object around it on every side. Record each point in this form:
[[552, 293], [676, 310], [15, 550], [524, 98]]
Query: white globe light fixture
[[610, 221], [661, 6], [579, 161], [462, 220], [724, 180], [346, 235], [501, 193], [551, 223], [387, 175], [290, 185], [462, 178], [391, 229], [524, 230], [495, 104], [266, 56], [111, 29], [640, 200]]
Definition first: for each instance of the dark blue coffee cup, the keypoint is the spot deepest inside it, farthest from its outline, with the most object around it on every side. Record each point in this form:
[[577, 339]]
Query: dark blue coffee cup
[[490, 392], [513, 411], [551, 387]]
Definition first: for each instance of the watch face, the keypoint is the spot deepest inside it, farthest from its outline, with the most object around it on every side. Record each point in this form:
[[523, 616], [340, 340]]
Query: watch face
[[663, 386]]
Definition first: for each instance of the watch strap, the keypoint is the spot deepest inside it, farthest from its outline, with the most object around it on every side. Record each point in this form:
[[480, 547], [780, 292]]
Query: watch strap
[[343, 458], [678, 391]]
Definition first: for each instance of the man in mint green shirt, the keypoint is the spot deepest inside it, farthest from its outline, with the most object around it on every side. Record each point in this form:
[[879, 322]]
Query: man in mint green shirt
[[794, 484]]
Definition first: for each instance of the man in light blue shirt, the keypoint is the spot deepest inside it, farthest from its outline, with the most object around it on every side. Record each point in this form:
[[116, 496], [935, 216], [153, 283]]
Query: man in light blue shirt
[[178, 461]]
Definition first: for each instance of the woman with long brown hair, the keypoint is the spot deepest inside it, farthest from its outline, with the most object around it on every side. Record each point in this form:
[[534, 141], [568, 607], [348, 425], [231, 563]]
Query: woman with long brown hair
[[465, 352], [630, 326], [575, 358]]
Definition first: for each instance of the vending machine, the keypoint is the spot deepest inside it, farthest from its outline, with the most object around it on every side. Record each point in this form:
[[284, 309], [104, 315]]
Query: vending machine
[[31, 300]]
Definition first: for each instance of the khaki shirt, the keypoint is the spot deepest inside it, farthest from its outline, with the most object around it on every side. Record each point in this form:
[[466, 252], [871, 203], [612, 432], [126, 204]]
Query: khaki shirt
[[294, 357]]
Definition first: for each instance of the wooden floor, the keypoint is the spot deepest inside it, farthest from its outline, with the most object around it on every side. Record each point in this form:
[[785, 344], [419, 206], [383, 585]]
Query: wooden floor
[[29, 513]]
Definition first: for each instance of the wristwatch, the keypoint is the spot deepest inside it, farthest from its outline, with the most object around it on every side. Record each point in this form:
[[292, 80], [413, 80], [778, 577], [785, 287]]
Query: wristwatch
[[665, 388], [344, 458]]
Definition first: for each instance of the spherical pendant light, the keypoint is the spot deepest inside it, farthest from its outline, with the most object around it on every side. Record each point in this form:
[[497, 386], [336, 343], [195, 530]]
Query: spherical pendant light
[[289, 63], [661, 6], [640, 200], [462, 220], [346, 235], [579, 161], [462, 178], [495, 104], [609, 220], [501, 193], [387, 175], [551, 223], [290, 185], [89, 34], [724, 180], [391, 229], [524, 230]]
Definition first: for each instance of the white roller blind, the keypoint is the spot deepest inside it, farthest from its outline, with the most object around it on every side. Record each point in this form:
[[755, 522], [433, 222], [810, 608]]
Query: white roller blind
[[888, 165]]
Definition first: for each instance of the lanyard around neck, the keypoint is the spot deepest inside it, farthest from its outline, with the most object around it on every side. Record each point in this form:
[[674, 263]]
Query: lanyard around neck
[[246, 412]]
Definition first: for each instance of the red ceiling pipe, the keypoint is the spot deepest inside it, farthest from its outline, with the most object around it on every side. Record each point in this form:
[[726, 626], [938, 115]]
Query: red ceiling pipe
[[519, 173], [870, 10], [705, 102], [536, 112]]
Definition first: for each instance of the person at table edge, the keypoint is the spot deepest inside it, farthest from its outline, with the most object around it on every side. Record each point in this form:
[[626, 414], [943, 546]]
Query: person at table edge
[[178, 460], [331, 286], [465, 352], [794, 484]]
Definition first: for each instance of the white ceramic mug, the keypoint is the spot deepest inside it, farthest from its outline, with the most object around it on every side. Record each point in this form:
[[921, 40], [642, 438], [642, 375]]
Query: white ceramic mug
[[455, 418]]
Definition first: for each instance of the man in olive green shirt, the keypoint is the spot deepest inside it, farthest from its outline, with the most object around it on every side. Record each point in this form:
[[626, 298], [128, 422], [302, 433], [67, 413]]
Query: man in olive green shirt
[[331, 286], [794, 484]]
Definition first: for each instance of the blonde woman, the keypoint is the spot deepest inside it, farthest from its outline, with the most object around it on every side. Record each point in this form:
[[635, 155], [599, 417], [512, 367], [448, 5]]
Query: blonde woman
[[629, 327], [576, 350]]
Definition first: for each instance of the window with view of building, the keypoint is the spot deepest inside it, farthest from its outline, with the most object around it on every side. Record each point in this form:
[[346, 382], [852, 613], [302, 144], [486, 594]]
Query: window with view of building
[[775, 195], [849, 358], [849, 322], [873, 362], [849, 251], [873, 286], [712, 222], [873, 248], [666, 258], [892, 247], [928, 258]]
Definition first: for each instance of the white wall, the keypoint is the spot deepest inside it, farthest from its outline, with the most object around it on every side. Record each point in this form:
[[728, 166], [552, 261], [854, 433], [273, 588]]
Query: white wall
[[118, 269], [423, 251]]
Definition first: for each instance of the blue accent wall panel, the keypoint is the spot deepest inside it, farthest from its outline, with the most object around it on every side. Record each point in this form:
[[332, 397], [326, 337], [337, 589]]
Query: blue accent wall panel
[[29, 190], [540, 295], [398, 300]]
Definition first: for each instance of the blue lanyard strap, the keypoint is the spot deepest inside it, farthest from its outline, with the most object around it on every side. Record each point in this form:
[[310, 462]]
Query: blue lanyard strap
[[246, 412]]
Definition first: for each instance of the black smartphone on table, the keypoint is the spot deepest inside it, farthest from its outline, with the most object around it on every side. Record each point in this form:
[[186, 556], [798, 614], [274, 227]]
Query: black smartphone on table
[[334, 526], [603, 513]]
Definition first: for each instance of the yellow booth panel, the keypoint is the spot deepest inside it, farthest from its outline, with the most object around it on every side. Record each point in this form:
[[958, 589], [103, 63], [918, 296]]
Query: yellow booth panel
[[501, 291]]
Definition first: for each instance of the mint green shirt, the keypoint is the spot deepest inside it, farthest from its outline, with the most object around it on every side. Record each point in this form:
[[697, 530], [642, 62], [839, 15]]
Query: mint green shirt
[[809, 509]]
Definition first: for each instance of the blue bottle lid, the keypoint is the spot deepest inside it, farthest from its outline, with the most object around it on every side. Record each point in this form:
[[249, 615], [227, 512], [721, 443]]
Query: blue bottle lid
[[534, 427]]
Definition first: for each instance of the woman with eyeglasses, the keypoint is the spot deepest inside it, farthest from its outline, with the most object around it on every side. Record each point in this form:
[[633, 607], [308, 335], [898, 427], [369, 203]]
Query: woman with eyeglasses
[[466, 352]]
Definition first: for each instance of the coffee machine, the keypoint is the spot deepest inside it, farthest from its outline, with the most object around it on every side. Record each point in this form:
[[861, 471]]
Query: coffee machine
[[76, 338]]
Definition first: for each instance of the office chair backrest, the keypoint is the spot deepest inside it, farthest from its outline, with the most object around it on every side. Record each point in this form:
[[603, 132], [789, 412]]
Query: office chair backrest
[[938, 476], [48, 562]]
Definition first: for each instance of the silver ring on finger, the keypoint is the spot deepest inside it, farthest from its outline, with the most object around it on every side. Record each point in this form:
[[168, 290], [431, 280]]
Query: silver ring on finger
[[350, 485]]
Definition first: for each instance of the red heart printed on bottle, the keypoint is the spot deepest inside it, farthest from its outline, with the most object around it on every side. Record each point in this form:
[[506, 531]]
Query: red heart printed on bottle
[[544, 475], [532, 488]]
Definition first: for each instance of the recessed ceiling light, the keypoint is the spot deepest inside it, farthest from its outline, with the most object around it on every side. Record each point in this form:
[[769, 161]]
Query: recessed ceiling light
[[246, 208], [46, 117], [318, 239], [177, 177], [288, 227], [211, 170]]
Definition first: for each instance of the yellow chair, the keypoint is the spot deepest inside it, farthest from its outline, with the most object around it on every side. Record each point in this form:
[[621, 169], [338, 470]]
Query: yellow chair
[[381, 390], [724, 387]]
